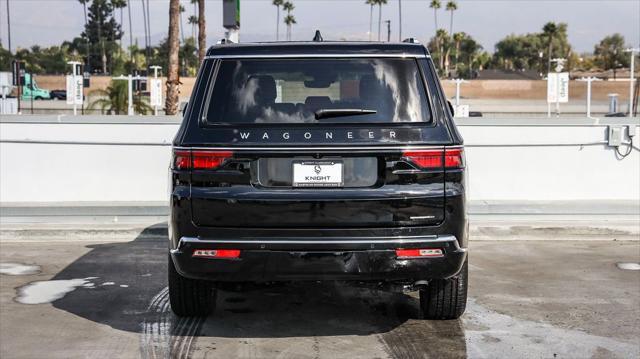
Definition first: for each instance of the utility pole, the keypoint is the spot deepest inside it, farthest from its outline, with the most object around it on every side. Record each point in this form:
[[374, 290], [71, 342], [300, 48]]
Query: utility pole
[[631, 79], [388, 30]]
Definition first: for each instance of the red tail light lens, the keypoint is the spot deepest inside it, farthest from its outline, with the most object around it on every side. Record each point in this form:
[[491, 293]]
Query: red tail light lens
[[425, 159], [182, 159], [199, 159], [434, 159], [454, 158], [216, 253], [209, 159]]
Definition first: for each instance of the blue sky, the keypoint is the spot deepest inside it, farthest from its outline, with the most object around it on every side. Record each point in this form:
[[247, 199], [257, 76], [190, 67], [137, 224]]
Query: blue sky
[[49, 22]]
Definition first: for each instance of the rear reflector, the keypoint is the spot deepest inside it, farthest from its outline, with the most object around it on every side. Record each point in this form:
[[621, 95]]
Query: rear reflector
[[199, 159], [436, 159], [216, 253], [418, 253]]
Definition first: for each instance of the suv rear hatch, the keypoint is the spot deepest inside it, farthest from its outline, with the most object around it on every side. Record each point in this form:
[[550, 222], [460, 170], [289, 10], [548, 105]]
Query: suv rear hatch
[[312, 143]]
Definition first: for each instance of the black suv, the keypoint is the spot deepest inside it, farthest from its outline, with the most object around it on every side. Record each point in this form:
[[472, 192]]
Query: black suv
[[313, 161]]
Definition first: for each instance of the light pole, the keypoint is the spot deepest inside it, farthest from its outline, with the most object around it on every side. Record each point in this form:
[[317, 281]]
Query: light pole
[[631, 80], [458, 82], [589, 80], [155, 89], [129, 78]]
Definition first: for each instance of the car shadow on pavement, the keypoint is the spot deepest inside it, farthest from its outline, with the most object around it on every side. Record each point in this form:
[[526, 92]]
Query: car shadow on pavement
[[130, 294]]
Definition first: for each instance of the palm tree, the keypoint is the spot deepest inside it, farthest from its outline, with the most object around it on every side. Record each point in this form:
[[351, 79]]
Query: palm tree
[[133, 58], [149, 30], [371, 3], [173, 81], [114, 100], [84, 6], [9, 22], [202, 32], [399, 20], [277, 4], [146, 34], [193, 26], [380, 3], [181, 9], [289, 19], [442, 39], [550, 30], [192, 19], [451, 6], [120, 4], [435, 5], [458, 37]]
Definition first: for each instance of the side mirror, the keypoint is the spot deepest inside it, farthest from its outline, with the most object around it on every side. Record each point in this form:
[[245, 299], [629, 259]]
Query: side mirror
[[453, 113]]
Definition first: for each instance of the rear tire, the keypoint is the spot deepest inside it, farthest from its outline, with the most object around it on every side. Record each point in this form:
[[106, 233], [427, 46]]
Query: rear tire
[[445, 298], [190, 297]]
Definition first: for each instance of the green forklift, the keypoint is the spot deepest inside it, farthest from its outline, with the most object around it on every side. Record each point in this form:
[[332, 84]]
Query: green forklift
[[34, 92]]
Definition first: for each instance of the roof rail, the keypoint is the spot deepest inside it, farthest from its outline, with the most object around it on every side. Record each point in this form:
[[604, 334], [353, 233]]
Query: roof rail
[[411, 40], [224, 41]]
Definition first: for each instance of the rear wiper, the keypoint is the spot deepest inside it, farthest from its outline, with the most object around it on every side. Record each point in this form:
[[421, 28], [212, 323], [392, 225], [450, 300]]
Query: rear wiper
[[339, 112]]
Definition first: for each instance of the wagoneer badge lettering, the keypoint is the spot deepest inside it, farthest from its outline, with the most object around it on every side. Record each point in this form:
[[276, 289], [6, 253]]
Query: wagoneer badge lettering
[[329, 136]]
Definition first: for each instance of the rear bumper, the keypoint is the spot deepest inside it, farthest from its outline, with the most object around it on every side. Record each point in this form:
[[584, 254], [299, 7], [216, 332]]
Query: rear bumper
[[313, 258]]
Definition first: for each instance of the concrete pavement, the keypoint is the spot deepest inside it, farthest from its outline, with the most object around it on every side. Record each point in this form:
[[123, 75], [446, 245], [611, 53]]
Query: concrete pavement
[[106, 297]]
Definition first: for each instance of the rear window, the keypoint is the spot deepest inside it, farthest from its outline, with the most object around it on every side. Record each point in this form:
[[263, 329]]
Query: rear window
[[376, 90]]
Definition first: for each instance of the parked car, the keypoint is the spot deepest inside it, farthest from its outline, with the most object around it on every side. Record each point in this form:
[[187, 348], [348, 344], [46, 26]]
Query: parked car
[[318, 161], [58, 94]]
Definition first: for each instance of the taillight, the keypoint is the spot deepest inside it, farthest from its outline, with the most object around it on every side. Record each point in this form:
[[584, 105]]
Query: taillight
[[199, 159], [209, 159], [418, 253], [425, 158], [182, 159], [436, 159], [454, 158], [216, 253]]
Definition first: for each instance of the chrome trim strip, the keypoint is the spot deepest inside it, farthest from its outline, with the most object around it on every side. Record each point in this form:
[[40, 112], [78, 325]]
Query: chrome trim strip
[[297, 56], [318, 148], [403, 240]]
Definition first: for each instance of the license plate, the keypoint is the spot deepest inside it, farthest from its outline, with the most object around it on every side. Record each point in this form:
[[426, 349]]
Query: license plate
[[317, 174]]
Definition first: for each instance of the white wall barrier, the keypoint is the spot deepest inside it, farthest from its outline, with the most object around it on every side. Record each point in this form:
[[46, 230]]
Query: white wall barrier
[[125, 159]]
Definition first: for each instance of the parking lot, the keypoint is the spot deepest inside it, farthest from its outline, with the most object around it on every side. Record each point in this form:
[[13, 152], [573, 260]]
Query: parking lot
[[106, 296]]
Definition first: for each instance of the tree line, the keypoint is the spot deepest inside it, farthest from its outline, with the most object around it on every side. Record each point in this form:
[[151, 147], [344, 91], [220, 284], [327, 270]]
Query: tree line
[[101, 45], [457, 54]]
